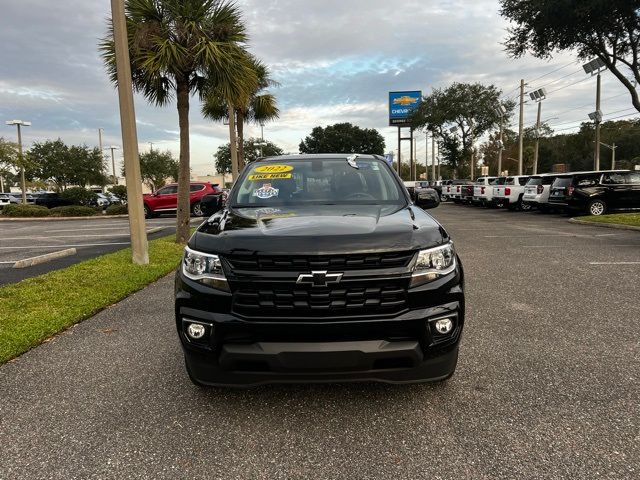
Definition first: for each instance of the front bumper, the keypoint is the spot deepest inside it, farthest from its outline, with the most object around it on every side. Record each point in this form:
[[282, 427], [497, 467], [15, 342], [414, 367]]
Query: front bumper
[[246, 352]]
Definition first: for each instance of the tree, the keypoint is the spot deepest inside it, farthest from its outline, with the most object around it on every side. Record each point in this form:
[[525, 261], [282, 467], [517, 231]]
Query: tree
[[53, 161], [177, 48], [252, 150], [259, 107], [343, 138], [459, 115], [8, 163], [608, 30], [157, 167]]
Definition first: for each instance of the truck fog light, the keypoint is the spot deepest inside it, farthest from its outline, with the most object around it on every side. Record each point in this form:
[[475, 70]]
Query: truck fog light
[[444, 326], [196, 331]]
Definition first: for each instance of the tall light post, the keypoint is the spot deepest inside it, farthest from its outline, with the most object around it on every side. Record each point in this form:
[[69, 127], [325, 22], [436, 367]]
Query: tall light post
[[595, 67], [521, 130], [23, 183], [501, 111], [537, 96], [261, 139], [114, 178]]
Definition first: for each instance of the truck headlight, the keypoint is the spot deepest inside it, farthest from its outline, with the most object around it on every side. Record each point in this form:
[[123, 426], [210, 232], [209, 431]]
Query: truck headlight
[[434, 263], [204, 268]]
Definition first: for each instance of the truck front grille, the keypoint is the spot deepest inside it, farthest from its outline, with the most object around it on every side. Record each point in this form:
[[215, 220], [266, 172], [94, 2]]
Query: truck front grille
[[362, 298]]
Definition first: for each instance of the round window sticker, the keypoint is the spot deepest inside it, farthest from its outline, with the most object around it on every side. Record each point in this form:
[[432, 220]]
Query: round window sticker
[[274, 169]]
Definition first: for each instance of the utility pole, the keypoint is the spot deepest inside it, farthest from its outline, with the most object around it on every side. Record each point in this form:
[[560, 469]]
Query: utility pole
[[411, 157], [151, 147], [23, 183], [521, 130], [261, 139], [612, 147], [501, 145], [137, 227]]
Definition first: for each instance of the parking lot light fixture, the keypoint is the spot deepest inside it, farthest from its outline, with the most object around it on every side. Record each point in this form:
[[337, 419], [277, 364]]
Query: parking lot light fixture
[[595, 67], [537, 96], [23, 185]]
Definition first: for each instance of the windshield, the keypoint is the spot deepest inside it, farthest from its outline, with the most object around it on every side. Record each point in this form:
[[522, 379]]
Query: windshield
[[562, 182], [534, 181], [317, 181]]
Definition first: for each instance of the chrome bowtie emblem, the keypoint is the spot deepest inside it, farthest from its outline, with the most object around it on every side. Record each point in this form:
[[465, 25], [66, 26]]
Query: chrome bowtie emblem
[[319, 279]]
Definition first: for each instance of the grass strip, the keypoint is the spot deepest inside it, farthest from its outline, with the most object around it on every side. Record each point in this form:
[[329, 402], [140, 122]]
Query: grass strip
[[632, 219], [37, 308]]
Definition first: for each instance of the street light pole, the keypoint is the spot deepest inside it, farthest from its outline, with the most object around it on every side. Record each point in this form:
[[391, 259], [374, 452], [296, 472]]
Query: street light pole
[[114, 178], [538, 96], [521, 130], [23, 183], [261, 139], [595, 67], [598, 121], [433, 156]]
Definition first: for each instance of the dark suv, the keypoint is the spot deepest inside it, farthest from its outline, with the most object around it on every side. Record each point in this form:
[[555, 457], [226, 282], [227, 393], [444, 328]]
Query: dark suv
[[596, 193], [319, 268]]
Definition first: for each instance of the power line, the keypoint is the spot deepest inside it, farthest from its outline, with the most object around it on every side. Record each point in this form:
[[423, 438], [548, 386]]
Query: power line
[[553, 71], [570, 85]]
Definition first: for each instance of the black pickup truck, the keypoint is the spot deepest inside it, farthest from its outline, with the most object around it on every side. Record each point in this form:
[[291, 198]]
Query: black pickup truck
[[319, 268]]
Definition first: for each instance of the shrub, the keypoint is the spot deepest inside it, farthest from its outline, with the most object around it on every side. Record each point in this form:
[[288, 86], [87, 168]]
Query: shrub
[[74, 211], [25, 211], [80, 196], [117, 210], [119, 191]]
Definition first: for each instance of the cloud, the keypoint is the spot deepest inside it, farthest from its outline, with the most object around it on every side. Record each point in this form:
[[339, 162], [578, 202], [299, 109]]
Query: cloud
[[335, 60]]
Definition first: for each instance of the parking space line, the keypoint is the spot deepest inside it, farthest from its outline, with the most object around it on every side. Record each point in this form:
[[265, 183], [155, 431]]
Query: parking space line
[[43, 247], [52, 237], [614, 263]]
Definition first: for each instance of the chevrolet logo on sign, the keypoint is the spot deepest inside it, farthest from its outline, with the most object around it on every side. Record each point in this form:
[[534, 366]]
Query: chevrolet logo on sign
[[405, 101]]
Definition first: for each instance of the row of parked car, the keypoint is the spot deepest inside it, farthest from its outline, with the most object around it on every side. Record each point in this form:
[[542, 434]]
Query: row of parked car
[[593, 193], [52, 199]]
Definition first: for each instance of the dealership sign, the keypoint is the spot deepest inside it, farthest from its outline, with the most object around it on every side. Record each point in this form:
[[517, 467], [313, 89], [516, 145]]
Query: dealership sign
[[401, 104]]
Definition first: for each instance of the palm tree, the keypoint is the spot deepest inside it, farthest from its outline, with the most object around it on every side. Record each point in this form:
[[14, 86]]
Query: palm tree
[[258, 107], [176, 48]]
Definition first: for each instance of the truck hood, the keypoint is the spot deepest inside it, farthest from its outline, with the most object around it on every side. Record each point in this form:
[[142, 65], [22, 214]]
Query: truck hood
[[319, 230]]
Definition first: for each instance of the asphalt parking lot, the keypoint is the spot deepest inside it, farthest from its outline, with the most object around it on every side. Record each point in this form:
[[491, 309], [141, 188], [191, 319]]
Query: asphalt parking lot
[[90, 238], [548, 384]]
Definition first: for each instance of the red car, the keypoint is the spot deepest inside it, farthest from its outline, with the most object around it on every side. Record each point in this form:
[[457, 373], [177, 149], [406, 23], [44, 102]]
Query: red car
[[165, 200]]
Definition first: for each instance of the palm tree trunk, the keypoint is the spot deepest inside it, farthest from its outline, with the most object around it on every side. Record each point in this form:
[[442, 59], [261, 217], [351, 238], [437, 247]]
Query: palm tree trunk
[[233, 143], [184, 172], [240, 127]]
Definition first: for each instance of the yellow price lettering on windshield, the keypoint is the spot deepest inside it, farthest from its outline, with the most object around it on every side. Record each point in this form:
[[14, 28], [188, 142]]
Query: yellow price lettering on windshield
[[270, 176], [274, 169]]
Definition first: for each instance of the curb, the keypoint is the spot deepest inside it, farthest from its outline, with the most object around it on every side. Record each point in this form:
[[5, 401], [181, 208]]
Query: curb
[[616, 226], [59, 219], [47, 257]]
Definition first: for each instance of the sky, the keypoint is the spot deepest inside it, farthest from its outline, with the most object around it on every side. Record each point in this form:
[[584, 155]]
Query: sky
[[335, 60]]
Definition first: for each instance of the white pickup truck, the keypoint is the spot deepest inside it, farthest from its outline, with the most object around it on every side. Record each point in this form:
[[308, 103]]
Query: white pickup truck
[[537, 190], [511, 193], [483, 190]]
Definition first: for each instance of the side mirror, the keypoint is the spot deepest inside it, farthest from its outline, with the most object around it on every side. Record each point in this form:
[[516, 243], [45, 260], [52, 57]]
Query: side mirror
[[211, 204], [427, 199]]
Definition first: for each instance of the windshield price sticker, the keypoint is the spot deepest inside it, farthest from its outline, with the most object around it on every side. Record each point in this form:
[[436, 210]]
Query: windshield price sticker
[[266, 191], [271, 176], [274, 169]]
